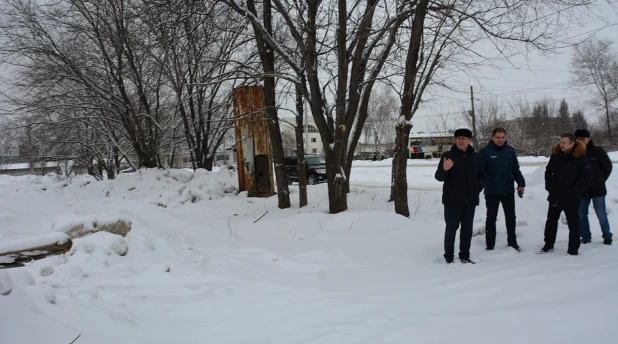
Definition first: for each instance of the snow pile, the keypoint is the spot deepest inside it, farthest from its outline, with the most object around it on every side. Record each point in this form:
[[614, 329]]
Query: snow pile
[[171, 187], [6, 286], [77, 226], [202, 261], [204, 185], [105, 242]]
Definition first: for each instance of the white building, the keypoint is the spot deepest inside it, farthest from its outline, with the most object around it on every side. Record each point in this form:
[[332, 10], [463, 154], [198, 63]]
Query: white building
[[313, 142]]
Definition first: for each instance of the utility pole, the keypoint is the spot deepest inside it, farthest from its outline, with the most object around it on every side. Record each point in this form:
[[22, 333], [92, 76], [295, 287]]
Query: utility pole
[[471, 113]]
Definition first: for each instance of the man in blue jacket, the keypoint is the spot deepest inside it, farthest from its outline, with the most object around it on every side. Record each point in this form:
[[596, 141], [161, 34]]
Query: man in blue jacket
[[501, 171], [461, 170]]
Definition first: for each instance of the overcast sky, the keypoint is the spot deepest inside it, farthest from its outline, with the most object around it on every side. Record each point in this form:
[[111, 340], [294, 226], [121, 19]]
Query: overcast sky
[[535, 77], [532, 76]]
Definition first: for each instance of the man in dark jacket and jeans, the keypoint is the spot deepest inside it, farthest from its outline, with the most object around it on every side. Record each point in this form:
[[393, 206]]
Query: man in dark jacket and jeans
[[461, 170], [567, 176], [601, 169], [501, 171]]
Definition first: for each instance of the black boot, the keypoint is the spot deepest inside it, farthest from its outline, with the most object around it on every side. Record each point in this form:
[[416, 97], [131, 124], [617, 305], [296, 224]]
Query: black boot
[[467, 260], [585, 241], [547, 249], [572, 252], [515, 246], [607, 241]]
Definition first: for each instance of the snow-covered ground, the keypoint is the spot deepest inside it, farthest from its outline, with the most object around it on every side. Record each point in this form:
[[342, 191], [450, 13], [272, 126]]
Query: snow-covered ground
[[197, 267]]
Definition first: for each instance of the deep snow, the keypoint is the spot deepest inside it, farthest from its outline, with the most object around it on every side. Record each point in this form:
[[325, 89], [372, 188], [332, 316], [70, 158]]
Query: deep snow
[[195, 268]]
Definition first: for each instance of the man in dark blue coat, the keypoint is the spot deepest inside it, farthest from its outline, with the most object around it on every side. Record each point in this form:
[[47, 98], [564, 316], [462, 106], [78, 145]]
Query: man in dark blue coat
[[501, 171], [567, 176], [461, 170]]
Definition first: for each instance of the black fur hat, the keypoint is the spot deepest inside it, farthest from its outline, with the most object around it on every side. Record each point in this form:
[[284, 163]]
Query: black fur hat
[[463, 132], [582, 133]]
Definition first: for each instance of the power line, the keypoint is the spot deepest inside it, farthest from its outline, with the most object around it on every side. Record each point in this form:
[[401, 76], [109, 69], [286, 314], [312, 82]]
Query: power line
[[520, 91], [462, 112]]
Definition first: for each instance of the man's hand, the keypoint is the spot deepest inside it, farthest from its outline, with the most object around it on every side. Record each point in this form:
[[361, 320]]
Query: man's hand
[[520, 192], [448, 163]]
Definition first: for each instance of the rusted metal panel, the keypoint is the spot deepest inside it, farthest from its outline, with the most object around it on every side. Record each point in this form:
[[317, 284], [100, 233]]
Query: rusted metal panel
[[253, 147]]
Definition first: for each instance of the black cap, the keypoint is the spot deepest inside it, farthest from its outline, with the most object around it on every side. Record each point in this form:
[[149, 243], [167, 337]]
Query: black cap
[[582, 133], [463, 132]]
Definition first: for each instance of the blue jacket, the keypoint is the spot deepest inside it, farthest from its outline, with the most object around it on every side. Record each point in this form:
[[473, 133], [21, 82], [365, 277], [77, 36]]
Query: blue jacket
[[464, 181], [501, 169]]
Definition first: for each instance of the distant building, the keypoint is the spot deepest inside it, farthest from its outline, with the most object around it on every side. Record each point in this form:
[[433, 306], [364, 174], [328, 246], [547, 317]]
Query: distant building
[[40, 169], [287, 126]]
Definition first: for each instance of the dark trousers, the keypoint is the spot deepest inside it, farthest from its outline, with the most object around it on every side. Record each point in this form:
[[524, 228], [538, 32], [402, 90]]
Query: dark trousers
[[455, 216], [551, 226], [508, 205]]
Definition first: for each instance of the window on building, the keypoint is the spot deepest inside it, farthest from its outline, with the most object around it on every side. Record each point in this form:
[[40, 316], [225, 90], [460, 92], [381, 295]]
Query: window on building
[[427, 141], [311, 129], [314, 150], [313, 139]]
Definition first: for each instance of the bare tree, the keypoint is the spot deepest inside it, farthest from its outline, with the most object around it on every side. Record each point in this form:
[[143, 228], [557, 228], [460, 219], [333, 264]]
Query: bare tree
[[579, 120], [343, 47], [113, 80], [195, 43], [593, 68], [381, 116], [92, 57], [263, 31], [442, 36]]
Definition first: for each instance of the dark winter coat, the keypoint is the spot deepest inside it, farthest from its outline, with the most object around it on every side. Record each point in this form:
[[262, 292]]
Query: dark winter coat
[[601, 169], [501, 169], [464, 181], [567, 176]]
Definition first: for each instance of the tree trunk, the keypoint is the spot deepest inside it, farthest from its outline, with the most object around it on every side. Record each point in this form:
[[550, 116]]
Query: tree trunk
[[337, 194], [300, 150], [111, 173], [409, 103], [393, 173], [283, 192], [116, 159], [208, 163], [267, 57], [400, 164]]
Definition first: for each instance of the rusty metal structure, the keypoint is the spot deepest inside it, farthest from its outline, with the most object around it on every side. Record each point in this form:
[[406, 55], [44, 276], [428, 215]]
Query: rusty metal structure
[[253, 147]]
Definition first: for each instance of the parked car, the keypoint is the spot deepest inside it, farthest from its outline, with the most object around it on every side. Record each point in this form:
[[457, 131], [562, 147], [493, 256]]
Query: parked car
[[315, 169]]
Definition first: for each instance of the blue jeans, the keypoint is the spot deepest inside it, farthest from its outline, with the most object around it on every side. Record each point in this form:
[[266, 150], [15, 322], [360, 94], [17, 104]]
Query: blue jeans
[[599, 208]]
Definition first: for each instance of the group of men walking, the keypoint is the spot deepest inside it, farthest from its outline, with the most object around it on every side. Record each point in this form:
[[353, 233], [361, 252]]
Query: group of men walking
[[574, 177]]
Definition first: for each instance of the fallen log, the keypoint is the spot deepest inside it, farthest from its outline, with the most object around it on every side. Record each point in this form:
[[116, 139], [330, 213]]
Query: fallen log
[[16, 253]]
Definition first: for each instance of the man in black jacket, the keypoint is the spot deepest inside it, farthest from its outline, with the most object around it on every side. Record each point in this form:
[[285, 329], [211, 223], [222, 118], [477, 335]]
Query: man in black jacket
[[461, 169], [567, 176], [601, 169]]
